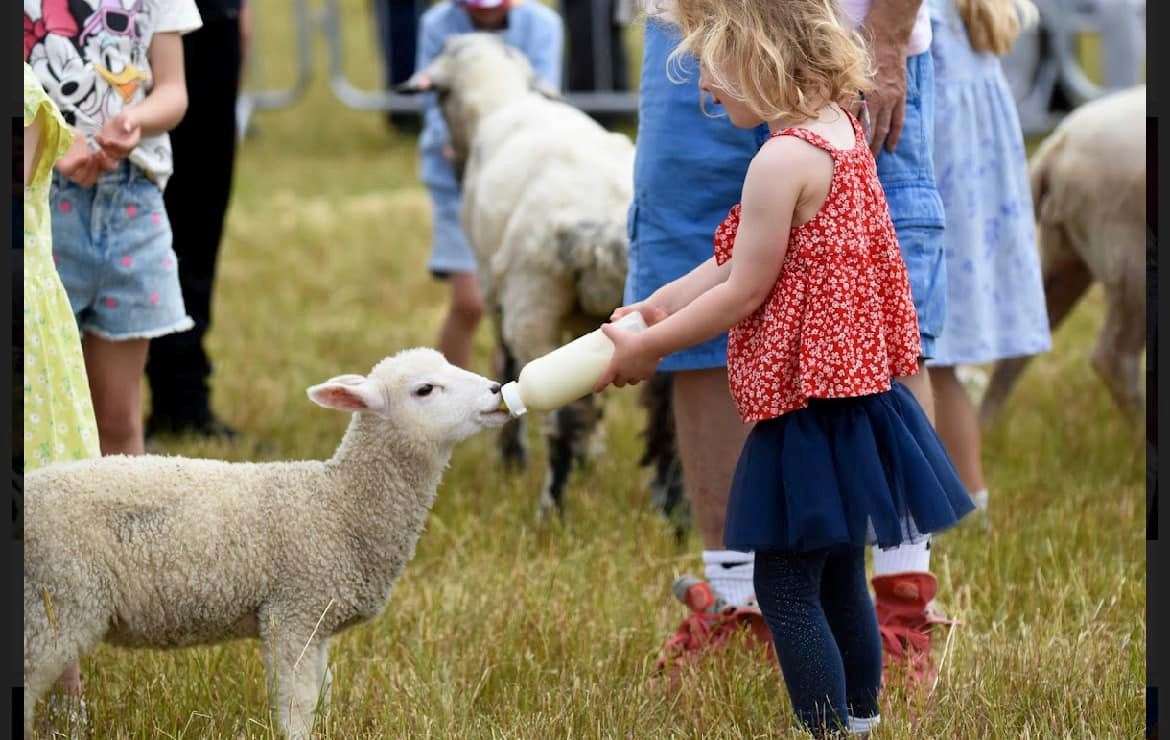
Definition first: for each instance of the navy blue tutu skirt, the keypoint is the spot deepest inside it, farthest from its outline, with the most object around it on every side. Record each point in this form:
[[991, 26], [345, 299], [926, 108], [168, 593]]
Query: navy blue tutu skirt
[[865, 470]]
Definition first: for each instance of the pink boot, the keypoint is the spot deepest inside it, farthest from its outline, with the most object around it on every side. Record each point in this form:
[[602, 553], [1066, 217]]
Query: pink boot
[[906, 621]]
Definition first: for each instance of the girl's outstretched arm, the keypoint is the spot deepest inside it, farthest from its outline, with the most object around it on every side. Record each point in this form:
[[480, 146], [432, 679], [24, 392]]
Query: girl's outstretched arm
[[678, 293], [775, 182]]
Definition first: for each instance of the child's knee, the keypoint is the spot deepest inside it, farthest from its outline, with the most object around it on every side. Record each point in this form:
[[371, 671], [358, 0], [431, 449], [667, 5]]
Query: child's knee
[[119, 422], [467, 305]]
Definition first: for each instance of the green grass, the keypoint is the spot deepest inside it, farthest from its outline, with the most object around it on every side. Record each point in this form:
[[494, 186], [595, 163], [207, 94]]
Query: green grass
[[503, 628]]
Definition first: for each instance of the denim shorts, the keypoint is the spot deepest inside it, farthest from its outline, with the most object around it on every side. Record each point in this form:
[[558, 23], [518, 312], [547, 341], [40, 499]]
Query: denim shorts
[[907, 177], [112, 246], [450, 251]]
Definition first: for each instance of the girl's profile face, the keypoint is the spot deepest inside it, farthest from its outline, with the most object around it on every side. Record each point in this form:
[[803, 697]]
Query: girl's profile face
[[740, 115]]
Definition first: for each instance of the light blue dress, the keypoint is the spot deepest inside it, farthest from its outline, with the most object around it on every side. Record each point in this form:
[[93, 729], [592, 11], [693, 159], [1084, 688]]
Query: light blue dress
[[532, 28], [995, 295]]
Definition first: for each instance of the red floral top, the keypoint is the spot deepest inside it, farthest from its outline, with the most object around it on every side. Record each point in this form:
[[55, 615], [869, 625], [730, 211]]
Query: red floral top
[[840, 321]]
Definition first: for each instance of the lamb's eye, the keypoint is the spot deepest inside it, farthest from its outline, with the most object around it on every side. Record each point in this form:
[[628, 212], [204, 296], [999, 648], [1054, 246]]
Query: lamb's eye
[[424, 390]]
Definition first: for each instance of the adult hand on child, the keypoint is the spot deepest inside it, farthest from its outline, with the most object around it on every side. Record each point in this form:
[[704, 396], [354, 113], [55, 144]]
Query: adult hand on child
[[120, 135], [631, 362]]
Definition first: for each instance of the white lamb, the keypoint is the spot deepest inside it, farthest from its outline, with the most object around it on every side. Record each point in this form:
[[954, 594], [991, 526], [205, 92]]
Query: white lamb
[[167, 552], [546, 191]]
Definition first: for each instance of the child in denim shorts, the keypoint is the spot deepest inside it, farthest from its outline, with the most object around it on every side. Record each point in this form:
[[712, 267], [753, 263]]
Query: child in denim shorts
[[117, 75]]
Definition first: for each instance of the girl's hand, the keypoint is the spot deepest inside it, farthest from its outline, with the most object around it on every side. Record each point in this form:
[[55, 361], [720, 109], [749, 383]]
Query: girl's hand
[[631, 362], [120, 135], [650, 313], [82, 165]]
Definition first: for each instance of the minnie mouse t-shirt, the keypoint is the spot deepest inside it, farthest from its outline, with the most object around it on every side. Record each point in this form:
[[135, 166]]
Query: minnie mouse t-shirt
[[93, 58]]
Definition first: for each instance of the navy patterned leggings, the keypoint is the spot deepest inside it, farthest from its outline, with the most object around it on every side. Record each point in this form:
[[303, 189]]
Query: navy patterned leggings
[[818, 607]]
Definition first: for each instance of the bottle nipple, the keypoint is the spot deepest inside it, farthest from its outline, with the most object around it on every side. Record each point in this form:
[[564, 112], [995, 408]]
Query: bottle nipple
[[510, 399]]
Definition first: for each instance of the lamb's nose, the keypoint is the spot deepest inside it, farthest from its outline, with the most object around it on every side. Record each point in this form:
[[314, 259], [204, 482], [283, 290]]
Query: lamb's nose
[[495, 388]]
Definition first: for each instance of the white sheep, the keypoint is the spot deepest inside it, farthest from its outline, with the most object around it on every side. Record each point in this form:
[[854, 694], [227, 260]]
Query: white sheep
[[1089, 192], [546, 191], [168, 552]]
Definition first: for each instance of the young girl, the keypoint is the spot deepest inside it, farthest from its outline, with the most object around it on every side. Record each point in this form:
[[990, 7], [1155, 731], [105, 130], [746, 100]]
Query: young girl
[[58, 418], [116, 72], [995, 292], [809, 278]]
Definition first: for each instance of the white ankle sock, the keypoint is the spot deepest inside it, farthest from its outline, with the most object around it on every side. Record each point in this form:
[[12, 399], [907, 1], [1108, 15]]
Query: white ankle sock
[[862, 725], [730, 575], [906, 558], [980, 499]]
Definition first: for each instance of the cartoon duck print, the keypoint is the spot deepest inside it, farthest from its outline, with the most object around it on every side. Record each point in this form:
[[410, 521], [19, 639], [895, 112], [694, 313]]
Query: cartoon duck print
[[111, 39]]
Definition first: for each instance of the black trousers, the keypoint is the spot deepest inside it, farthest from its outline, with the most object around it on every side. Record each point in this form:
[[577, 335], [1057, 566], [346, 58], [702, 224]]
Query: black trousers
[[825, 630], [397, 23], [579, 23], [197, 198]]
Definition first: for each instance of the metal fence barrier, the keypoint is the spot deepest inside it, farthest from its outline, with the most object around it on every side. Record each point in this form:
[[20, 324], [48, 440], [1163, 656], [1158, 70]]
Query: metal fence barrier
[[1042, 59]]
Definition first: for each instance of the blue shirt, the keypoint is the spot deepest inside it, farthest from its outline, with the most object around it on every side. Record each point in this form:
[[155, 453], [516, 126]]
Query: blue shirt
[[532, 28]]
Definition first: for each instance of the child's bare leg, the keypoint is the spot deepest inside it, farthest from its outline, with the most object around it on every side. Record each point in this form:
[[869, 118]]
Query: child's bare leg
[[463, 317], [919, 385], [115, 383], [958, 426]]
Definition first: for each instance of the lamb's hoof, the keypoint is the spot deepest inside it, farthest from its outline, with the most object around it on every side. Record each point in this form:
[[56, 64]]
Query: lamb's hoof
[[548, 508]]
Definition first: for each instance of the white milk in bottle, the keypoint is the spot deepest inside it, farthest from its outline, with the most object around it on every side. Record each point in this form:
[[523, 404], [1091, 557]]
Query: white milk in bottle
[[566, 374]]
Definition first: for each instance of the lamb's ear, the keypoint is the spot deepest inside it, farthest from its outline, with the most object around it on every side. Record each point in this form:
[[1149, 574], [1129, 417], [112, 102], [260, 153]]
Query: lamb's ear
[[347, 393], [545, 90], [431, 79], [419, 82]]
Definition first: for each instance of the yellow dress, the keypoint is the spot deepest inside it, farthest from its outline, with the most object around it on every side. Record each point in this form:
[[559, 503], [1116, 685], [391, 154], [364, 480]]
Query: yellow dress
[[58, 414]]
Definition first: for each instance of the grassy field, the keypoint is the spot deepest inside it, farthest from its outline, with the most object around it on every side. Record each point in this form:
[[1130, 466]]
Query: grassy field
[[505, 628]]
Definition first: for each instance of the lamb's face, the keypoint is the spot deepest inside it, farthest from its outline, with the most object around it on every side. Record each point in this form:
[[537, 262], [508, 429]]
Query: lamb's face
[[420, 390], [474, 74]]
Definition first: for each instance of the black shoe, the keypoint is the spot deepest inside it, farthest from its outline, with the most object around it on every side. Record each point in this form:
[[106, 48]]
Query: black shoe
[[404, 123], [203, 425]]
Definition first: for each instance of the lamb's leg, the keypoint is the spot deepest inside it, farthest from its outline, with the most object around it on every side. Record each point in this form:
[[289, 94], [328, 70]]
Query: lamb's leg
[[1117, 356], [295, 661], [568, 437], [1066, 279], [661, 452], [57, 631]]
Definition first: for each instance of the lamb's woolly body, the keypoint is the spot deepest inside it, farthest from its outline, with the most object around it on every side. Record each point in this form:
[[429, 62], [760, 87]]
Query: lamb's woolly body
[[243, 533], [546, 194], [167, 552]]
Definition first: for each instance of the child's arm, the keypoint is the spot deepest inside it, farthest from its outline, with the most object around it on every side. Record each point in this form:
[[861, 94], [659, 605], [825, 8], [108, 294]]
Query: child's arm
[[678, 293], [32, 141], [162, 109], [771, 190]]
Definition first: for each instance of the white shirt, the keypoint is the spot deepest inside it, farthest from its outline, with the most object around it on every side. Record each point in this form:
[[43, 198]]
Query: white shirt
[[93, 58], [854, 12]]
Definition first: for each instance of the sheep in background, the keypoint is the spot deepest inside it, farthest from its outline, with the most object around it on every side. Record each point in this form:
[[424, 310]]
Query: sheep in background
[[546, 192], [1089, 192], [168, 552]]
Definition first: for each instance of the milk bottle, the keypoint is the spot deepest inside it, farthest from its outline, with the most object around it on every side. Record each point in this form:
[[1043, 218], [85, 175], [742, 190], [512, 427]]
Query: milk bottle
[[566, 374]]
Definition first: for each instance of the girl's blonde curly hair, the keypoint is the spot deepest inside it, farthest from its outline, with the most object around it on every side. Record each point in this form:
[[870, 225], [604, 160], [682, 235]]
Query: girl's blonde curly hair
[[993, 25], [782, 58]]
